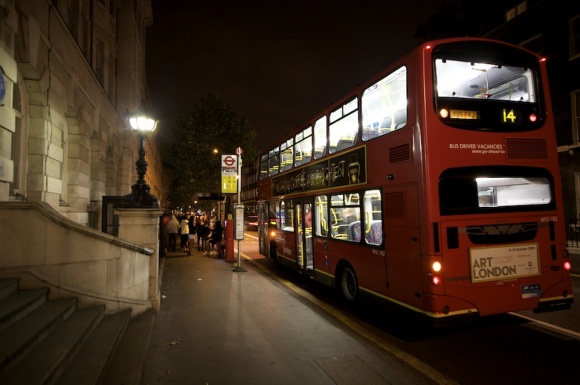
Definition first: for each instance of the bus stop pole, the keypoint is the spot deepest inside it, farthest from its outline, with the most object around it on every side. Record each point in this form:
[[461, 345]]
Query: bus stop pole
[[239, 218]]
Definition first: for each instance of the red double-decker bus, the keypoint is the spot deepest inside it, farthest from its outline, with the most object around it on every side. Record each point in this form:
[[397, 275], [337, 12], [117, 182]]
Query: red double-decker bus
[[435, 186]]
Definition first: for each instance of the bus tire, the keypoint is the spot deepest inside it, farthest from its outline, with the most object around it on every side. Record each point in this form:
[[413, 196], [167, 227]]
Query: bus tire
[[348, 283]]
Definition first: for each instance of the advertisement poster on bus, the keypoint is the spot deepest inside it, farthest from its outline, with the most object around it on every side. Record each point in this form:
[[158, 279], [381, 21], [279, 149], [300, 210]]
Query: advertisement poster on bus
[[345, 169], [504, 262]]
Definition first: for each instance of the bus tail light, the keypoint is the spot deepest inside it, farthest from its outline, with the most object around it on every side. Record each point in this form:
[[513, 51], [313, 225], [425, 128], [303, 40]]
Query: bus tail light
[[436, 280], [567, 266], [533, 118], [436, 268]]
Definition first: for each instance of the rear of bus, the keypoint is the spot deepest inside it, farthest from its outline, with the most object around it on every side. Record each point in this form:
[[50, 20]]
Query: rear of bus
[[494, 212]]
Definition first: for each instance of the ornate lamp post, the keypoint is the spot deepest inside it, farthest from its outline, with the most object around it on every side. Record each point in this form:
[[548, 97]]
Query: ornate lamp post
[[140, 196]]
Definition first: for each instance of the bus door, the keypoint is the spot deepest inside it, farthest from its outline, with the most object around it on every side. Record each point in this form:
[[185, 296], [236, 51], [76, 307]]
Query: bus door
[[304, 256], [263, 228], [267, 228], [402, 245]]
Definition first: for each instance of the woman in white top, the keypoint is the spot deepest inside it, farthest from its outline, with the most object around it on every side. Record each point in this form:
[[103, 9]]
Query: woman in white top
[[184, 231]]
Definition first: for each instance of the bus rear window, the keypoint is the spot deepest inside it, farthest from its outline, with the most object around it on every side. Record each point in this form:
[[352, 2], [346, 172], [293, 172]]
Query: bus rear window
[[505, 192], [495, 189]]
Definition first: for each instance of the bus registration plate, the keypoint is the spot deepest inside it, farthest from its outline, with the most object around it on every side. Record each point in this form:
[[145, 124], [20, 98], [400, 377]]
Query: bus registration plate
[[463, 114], [504, 262]]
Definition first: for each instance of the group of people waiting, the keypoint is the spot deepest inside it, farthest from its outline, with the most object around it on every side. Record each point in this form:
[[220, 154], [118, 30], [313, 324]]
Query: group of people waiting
[[187, 228]]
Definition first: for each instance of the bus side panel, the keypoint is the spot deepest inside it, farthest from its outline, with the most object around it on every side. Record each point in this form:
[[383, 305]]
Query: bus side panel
[[322, 262], [368, 262], [402, 245], [286, 245]]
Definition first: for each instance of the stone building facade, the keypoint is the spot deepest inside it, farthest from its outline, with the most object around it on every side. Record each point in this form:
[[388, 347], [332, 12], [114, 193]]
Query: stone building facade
[[71, 72]]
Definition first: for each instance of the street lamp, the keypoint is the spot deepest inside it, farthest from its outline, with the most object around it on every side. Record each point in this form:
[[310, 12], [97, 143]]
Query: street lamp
[[140, 196]]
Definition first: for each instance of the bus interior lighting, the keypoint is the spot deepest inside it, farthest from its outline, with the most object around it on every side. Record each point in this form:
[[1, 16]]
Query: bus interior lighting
[[481, 66]]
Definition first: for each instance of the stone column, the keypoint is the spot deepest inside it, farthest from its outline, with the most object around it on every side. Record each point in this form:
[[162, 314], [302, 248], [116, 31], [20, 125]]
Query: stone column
[[141, 226]]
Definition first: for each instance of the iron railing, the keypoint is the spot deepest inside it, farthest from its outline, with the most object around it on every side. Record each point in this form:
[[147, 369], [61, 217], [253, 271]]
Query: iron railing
[[572, 230]]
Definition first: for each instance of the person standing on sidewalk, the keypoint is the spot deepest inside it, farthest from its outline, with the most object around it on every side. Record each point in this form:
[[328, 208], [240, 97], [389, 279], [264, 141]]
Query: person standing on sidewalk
[[201, 229], [184, 231], [216, 238], [191, 236], [172, 229]]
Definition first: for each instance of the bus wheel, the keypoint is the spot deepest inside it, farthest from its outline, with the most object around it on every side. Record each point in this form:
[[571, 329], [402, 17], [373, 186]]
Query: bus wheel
[[348, 283]]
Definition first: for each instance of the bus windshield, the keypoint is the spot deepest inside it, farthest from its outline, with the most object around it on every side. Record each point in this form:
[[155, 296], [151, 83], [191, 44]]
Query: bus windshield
[[463, 79]]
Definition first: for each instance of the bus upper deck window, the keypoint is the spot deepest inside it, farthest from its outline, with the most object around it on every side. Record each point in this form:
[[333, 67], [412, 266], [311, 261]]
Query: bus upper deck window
[[473, 80]]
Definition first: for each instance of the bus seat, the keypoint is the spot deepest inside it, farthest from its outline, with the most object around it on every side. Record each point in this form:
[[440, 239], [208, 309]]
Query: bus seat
[[400, 119], [345, 142], [298, 159], [286, 165], [354, 231], [375, 235], [370, 133], [387, 124]]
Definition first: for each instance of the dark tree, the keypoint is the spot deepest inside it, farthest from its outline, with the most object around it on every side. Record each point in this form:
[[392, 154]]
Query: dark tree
[[200, 138]]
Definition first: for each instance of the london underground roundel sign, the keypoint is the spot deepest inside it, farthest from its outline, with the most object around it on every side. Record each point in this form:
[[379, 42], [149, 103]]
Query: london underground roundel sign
[[228, 161]]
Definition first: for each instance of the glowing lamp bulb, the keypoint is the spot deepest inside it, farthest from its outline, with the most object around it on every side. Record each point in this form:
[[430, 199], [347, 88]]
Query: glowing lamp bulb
[[436, 280], [444, 113], [533, 118]]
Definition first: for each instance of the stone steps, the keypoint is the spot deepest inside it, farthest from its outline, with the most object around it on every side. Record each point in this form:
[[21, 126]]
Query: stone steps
[[55, 342]]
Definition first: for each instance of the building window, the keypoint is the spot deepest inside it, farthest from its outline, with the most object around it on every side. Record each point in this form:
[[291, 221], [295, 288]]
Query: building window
[[19, 144], [84, 32], [575, 37], [576, 117], [516, 11], [100, 61]]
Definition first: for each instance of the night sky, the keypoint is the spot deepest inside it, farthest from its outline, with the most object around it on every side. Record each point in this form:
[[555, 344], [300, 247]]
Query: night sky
[[276, 63]]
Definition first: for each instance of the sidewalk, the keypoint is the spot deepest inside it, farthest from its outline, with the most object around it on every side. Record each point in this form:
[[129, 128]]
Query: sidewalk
[[217, 326]]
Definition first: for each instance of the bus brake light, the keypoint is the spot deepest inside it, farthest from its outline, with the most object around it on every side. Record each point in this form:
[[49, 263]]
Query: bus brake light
[[567, 266], [533, 118], [436, 280]]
